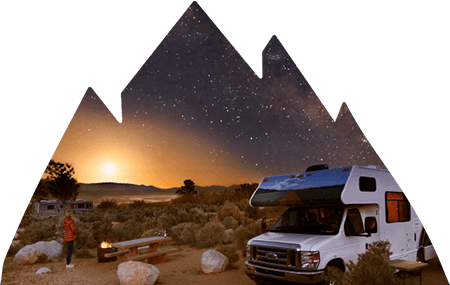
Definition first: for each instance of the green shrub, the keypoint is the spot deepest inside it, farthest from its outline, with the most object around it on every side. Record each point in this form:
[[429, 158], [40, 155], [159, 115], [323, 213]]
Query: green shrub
[[230, 223], [108, 204], [188, 234], [166, 221], [83, 253], [372, 267], [210, 234], [41, 230], [241, 237], [229, 210], [230, 252]]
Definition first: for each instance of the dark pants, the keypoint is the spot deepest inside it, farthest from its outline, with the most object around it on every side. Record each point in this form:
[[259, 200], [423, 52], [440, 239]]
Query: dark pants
[[69, 252]]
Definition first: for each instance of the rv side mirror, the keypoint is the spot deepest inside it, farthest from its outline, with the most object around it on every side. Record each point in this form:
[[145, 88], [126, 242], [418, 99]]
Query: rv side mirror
[[263, 223], [370, 225]]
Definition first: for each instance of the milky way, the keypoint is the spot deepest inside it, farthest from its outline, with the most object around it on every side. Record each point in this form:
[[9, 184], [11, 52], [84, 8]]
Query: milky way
[[197, 88]]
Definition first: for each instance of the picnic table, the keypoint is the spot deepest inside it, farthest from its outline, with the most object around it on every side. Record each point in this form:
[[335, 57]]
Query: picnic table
[[408, 267], [142, 249]]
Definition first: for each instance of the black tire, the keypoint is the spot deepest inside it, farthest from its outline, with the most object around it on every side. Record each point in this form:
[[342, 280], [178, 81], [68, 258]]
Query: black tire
[[420, 256], [335, 272]]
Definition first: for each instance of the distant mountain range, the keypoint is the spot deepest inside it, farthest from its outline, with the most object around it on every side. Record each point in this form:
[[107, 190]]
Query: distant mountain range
[[124, 189]]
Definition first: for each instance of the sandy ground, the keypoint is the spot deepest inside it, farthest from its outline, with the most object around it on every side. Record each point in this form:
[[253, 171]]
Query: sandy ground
[[181, 268]]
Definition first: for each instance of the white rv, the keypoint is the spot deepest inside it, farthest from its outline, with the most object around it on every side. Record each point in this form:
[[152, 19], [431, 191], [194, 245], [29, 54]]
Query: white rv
[[54, 208], [333, 215]]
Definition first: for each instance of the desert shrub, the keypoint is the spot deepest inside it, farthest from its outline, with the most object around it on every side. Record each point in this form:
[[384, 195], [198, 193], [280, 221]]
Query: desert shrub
[[41, 230], [13, 249], [188, 234], [83, 253], [230, 223], [229, 210], [182, 216], [210, 234], [241, 236], [107, 204], [230, 252], [127, 230], [42, 258], [372, 267], [138, 204], [166, 221]]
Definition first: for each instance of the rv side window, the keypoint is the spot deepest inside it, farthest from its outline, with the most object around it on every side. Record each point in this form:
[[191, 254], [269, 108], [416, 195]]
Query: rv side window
[[353, 224], [397, 208], [73, 206], [367, 184], [50, 207], [81, 206]]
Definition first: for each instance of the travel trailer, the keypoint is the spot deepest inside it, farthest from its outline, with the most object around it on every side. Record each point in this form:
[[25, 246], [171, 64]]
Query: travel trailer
[[332, 215], [54, 208]]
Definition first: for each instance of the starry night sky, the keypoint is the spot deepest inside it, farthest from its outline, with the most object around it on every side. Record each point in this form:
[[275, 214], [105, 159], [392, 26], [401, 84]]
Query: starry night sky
[[196, 110]]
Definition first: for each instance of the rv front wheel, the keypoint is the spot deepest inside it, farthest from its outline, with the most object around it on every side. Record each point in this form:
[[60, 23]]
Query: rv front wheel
[[332, 275]]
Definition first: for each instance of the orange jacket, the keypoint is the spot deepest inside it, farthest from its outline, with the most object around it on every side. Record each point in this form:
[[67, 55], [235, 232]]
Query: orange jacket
[[69, 229]]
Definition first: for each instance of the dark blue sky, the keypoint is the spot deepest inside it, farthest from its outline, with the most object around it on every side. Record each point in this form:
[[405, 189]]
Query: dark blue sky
[[196, 110]]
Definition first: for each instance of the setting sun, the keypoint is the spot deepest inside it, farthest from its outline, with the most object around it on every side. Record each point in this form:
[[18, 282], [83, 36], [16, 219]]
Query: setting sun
[[108, 169]]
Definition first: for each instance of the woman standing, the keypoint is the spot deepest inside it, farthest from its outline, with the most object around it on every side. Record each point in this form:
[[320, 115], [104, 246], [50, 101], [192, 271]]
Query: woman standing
[[69, 237]]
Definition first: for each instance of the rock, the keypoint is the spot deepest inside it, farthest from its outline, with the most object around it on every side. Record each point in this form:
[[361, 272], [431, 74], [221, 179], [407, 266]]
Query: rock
[[43, 270], [16, 236], [29, 254], [213, 262], [135, 272], [227, 236], [15, 242], [26, 255]]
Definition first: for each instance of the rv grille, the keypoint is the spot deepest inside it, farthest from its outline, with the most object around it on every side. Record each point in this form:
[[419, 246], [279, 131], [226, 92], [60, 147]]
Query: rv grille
[[276, 255]]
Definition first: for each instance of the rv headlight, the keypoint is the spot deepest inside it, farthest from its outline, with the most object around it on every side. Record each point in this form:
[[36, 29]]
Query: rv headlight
[[309, 260]]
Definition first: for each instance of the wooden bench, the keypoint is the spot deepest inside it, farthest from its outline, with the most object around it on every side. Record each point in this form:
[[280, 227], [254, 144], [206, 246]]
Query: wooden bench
[[139, 249], [154, 257], [407, 267]]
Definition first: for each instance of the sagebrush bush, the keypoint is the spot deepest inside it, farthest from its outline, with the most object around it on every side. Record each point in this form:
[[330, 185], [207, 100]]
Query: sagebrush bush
[[241, 236], [210, 234], [107, 204], [166, 221], [230, 252], [372, 267], [229, 210], [83, 253], [42, 258], [41, 230], [230, 223], [188, 234]]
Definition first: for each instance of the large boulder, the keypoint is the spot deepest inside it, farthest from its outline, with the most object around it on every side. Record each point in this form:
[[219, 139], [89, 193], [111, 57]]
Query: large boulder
[[136, 273], [213, 262], [29, 254]]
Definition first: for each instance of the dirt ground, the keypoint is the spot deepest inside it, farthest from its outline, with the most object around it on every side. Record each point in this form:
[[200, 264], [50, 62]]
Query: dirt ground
[[181, 268]]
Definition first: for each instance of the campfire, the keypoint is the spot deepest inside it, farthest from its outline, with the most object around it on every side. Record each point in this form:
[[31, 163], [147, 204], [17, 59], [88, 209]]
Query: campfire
[[105, 247], [105, 244]]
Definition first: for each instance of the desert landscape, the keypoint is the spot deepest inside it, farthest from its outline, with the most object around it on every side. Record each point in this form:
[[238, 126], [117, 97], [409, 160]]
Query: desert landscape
[[181, 268]]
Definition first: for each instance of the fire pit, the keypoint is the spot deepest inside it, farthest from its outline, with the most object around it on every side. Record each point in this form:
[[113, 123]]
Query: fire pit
[[105, 247]]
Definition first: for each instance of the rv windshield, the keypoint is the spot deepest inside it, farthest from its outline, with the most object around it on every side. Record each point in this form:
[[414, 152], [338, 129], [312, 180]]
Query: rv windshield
[[310, 220]]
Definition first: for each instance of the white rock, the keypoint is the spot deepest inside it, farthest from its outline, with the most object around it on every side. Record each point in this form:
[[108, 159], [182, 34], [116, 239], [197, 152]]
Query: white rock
[[26, 255], [43, 270], [16, 236], [213, 261], [15, 242], [29, 254], [135, 272]]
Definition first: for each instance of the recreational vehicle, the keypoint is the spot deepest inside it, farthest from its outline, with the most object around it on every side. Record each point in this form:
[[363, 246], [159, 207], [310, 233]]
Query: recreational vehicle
[[54, 208], [332, 215]]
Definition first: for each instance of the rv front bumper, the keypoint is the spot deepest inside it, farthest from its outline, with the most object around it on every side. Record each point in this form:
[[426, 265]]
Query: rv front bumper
[[255, 271]]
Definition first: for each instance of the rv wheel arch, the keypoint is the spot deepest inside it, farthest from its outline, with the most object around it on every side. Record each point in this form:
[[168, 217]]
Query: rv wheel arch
[[335, 264], [420, 255]]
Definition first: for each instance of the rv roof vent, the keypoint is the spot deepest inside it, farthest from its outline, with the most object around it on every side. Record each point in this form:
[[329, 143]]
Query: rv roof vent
[[372, 167], [317, 167]]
